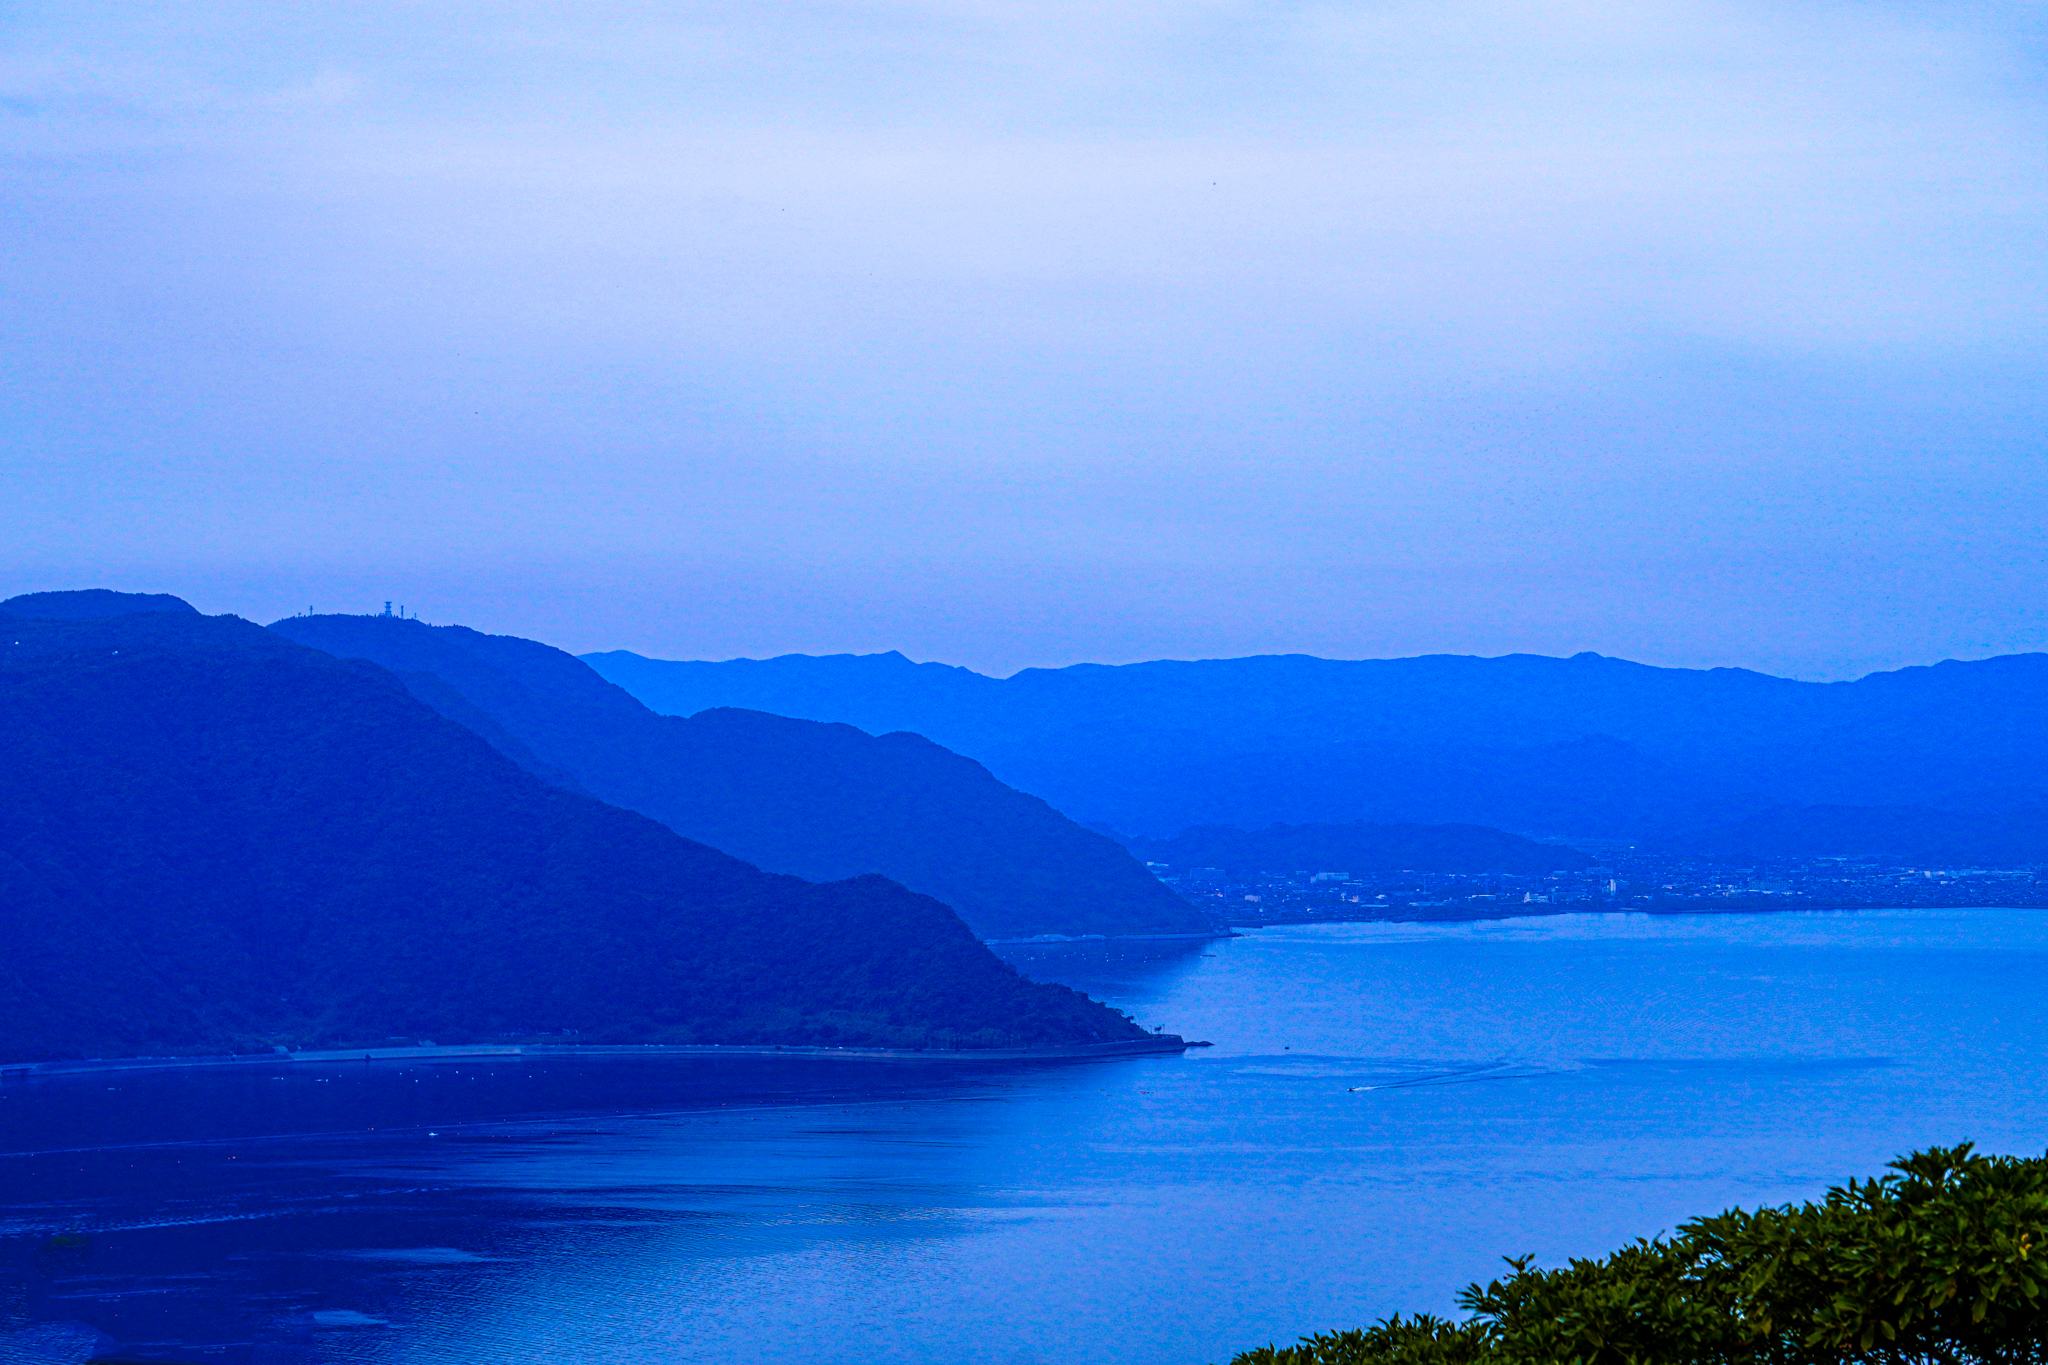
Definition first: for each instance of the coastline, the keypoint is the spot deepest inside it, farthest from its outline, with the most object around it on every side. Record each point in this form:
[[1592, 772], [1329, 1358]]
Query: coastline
[[1043, 940], [1157, 1045], [1671, 908]]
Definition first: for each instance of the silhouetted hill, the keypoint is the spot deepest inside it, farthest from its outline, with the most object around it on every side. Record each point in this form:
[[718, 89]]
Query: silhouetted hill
[[821, 801], [1586, 745], [213, 837], [87, 603], [1358, 847], [1908, 833]]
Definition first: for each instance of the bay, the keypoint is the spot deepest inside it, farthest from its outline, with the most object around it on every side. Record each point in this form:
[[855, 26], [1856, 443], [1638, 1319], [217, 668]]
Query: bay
[[1387, 1109]]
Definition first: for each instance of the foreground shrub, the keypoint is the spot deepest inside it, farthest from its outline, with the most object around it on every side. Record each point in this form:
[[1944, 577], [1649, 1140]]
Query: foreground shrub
[[1944, 1261]]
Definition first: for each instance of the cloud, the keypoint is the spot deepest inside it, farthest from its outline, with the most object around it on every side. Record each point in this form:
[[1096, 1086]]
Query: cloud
[[1049, 284]]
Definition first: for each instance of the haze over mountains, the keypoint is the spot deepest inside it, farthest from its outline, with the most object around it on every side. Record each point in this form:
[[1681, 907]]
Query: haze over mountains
[[213, 837], [820, 801], [1585, 746], [1907, 833], [1358, 847], [353, 829]]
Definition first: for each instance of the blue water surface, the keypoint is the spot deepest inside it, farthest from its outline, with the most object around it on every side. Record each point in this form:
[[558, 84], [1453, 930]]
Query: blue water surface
[[1387, 1109]]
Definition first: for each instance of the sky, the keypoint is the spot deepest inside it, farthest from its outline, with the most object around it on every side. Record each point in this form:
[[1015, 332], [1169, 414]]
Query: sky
[[1013, 334]]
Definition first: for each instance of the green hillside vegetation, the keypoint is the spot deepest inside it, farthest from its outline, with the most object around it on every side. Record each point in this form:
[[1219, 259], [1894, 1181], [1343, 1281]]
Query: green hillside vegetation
[[1945, 1260], [214, 839]]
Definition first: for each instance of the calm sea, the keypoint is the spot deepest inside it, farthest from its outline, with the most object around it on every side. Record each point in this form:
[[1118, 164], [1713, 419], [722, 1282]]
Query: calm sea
[[1387, 1109]]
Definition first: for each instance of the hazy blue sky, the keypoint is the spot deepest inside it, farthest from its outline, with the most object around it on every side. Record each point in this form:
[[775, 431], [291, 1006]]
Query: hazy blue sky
[[1013, 333]]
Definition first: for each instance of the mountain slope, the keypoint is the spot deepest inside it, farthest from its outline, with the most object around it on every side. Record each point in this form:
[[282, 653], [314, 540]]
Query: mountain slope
[[820, 801], [1358, 847], [1910, 833], [212, 837], [1585, 745]]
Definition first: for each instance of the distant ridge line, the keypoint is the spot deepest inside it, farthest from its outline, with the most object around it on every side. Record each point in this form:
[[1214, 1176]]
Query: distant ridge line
[[1599, 747]]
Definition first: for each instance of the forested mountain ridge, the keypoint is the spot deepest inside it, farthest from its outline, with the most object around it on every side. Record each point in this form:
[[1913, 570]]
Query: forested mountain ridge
[[821, 801], [212, 837], [1584, 745]]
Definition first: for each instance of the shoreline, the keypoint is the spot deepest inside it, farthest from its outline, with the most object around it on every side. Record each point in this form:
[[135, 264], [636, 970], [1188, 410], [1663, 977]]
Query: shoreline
[[1668, 909], [1054, 940], [1164, 1044]]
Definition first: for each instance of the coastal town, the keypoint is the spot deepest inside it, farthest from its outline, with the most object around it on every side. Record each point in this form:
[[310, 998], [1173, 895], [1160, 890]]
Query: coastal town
[[1626, 879]]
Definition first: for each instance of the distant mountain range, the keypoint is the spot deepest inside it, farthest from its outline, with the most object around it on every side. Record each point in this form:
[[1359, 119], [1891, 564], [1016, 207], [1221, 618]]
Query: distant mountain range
[[213, 837], [820, 801], [1358, 847], [1906, 833], [1586, 746]]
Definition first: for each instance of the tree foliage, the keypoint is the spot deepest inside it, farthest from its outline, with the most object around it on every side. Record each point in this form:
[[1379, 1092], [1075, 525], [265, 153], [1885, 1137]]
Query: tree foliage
[[1940, 1261]]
